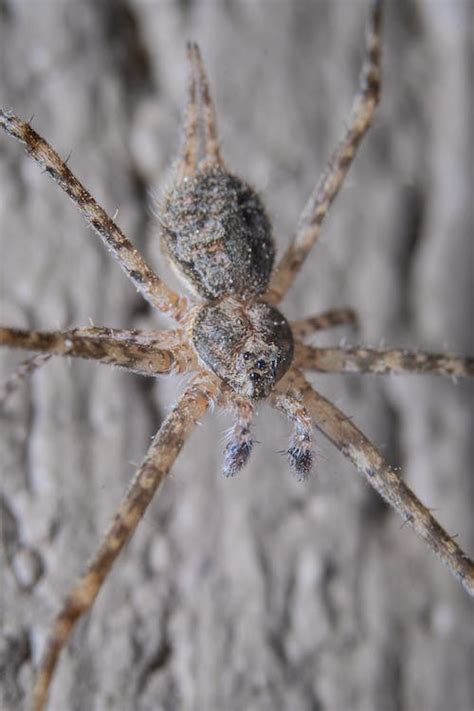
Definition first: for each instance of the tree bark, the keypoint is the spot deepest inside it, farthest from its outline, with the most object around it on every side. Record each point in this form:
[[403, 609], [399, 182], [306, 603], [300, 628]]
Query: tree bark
[[257, 592]]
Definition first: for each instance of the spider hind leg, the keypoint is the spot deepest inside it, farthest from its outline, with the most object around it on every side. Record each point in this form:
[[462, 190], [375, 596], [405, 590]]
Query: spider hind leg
[[201, 142]]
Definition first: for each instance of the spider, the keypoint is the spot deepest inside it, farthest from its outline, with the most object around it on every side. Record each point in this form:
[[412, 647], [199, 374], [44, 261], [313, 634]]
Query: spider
[[231, 334]]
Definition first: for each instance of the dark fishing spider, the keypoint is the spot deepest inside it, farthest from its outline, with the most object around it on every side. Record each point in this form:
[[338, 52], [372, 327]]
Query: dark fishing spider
[[235, 341]]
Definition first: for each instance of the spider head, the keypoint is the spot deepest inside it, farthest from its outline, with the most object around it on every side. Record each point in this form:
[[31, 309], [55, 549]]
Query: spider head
[[249, 346], [258, 366]]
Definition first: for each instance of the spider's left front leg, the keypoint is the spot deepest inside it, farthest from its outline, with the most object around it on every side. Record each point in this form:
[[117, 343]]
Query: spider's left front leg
[[163, 451], [353, 444]]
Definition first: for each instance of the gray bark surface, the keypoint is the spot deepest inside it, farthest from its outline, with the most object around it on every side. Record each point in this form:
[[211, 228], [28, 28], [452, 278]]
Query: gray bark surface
[[258, 592]]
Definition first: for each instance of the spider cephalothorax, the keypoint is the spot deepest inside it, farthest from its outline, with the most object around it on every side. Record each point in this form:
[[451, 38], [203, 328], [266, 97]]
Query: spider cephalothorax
[[248, 345], [239, 346]]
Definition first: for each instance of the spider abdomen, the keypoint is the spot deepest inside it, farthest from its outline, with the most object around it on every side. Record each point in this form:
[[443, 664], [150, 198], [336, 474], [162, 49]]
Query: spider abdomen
[[218, 235]]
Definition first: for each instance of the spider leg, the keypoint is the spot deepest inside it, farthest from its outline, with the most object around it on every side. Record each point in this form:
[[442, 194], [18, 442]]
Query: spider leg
[[169, 338], [353, 444], [240, 444], [150, 286], [163, 451], [23, 371], [187, 163], [145, 359], [381, 361], [212, 154], [317, 207], [321, 322], [200, 112], [300, 454]]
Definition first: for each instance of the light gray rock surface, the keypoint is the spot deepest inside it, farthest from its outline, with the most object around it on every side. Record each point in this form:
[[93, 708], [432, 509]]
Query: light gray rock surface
[[255, 593]]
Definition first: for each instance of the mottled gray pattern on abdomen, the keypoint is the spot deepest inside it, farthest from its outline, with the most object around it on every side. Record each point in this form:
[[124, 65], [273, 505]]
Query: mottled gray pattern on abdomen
[[217, 233]]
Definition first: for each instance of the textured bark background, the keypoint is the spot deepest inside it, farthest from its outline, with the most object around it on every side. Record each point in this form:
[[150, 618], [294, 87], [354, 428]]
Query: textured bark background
[[255, 593]]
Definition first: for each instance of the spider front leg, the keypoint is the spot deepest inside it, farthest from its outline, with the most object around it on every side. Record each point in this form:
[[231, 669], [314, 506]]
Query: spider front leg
[[318, 205], [321, 322], [334, 425], [163, 451], [381, 361], [151, 287], [144, 358]]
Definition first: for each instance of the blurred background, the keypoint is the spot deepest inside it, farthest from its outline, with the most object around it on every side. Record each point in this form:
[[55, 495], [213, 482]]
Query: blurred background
[[258, 592]]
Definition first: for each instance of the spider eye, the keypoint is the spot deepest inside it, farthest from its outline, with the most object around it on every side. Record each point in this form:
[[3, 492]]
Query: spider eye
[[247, 355], [260, 364], [255, 377]]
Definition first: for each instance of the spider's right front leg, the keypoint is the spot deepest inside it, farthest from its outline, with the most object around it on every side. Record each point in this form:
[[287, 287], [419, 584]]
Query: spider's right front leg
[[164, 449]]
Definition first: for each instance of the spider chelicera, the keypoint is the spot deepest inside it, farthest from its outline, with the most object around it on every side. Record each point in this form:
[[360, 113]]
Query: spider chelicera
[[230, 335]]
